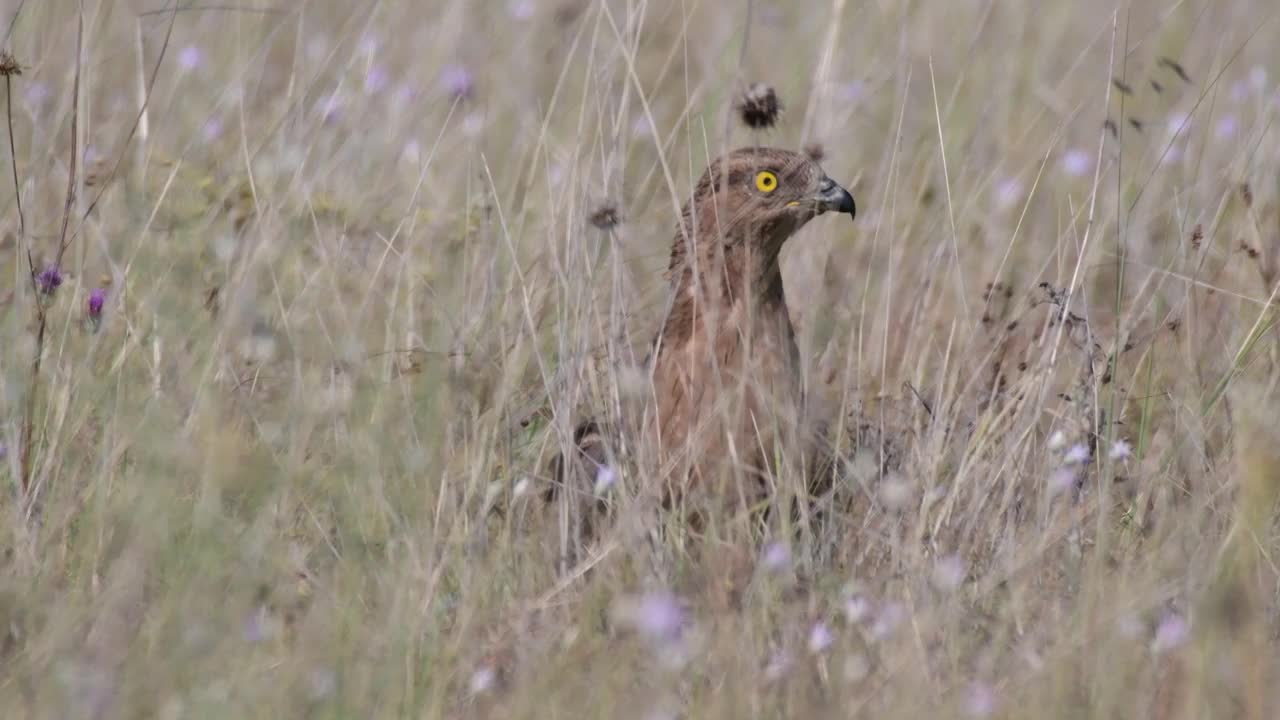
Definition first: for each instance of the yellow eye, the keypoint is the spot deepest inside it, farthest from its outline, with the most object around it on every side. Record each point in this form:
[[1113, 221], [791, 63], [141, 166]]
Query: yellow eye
[[766, 181]]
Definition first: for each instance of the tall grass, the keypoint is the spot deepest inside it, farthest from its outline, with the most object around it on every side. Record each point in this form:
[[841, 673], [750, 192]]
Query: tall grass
[[358, 290]]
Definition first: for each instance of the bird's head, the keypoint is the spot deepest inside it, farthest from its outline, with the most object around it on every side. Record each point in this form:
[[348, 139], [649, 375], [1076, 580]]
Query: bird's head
[[756, 198]]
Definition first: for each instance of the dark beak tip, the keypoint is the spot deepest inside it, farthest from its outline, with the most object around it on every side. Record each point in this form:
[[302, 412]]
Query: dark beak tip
[[847, 205]]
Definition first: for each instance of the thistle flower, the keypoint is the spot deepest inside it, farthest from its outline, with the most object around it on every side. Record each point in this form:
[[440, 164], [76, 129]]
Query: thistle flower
[[96, 300], [9, 65], [49, 280]]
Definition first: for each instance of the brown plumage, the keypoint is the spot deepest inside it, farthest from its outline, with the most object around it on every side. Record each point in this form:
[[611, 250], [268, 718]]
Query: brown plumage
[[725, 366]]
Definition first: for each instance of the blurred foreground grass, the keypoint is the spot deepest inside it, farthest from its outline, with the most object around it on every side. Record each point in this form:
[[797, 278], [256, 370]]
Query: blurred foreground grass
[[296, 467]]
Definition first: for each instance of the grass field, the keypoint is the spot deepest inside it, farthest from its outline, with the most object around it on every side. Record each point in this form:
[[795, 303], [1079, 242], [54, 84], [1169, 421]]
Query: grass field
[[302, 297]]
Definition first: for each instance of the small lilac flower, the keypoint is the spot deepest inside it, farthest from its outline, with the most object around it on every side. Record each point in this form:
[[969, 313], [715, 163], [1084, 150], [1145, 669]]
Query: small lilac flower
[[520, 9], [36, 94], [255, 626], [330, 107], [1076, 163], [520, 488], [1176, 123], [853, 91], [412, 152], [656, 615], [891, 615], [857, 608], [1008, 193], [458, 82], [948, 573], [980, 700], [1061, 480], [190, 58], [1226, 128], [640, 128], [605, 478], [49, 280], [96, 300], [1239, 91], [776, 557], [1171, 633], [404, 95], [1129, 625], [212, 130], [482, 680], [1057, 440], [1077, 455], [1258, 78], [376, 80], [820, 638], [1120, 450]]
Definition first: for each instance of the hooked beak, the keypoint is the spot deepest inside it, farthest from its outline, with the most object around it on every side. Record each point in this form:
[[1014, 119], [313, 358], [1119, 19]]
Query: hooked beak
[[832, 197]]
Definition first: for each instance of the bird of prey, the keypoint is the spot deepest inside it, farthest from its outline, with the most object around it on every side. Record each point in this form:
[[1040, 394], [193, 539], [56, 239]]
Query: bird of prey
[[725, 367]]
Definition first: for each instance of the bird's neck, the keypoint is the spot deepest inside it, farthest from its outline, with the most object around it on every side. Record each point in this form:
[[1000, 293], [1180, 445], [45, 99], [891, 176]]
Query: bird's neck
[[735, 285]]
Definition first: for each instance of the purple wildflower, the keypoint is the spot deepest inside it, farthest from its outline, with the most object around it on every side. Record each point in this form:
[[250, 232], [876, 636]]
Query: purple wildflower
[[212, 129], [980, 700], [37, 94], [190, 58], [520, 9], [1076, 162], [96, 299], [656, 615], [49, 280], [949, 573], [376, 80], [776, 557], [1172, 632], [458, 82], [820, 638]]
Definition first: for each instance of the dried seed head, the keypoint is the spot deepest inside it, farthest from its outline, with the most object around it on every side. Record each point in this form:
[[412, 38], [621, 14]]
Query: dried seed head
[[759, 107], [605, 217], [1246, 192], [9, 64]]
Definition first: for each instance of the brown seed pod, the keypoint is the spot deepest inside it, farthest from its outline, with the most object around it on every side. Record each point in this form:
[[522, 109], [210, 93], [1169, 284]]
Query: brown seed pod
[[759, 107]]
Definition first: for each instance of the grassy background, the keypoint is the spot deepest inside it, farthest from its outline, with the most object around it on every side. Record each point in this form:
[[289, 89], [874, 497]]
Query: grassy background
[[354, 302]]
